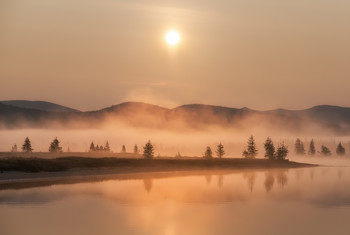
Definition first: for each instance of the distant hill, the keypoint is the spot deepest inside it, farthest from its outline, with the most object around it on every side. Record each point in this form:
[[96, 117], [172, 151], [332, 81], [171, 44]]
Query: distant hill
[[39, 105], [319, 119]]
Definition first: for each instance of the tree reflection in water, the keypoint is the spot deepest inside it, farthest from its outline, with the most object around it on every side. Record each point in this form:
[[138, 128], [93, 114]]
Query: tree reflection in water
[[208, 179], [147, 184], [269, 181], [220, 181], [250, 177], [279, 175], [282, 178]]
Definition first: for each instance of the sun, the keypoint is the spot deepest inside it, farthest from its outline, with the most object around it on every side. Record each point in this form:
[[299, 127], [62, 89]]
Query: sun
[[172, 37]]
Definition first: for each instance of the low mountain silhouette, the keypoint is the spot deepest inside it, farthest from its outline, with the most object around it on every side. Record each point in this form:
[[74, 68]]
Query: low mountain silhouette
[[318, 119], [39, 105]]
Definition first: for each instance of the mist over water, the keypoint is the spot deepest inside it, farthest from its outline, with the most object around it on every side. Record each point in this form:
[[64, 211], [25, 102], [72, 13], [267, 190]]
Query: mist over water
[[278, 201], [277, 69], [167, 143]]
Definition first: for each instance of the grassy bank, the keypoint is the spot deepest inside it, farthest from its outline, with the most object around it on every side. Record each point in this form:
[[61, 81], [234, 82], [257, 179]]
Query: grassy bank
[[138, 165]]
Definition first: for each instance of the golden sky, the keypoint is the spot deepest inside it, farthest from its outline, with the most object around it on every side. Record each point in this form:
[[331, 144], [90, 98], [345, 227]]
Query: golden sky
[[88, 54]]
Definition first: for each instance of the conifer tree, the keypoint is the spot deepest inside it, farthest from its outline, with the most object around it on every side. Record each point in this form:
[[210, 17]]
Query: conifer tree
[[299, 147], [92, 147], [123, 149], [281, 152], [148, 150], [312, 149], [55, 146], [269, 149], [208, 153], [251, 150], [107, 148], [220, 150], [14, 148], [340, 150], [136, 149], [27, 146]]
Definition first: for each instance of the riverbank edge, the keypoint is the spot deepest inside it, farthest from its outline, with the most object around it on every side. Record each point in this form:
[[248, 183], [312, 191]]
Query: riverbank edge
[[40, 169]]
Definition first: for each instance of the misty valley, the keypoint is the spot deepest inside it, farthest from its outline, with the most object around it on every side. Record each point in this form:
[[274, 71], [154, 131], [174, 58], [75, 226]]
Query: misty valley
[[136, 168], [186, 129], [174, 117]]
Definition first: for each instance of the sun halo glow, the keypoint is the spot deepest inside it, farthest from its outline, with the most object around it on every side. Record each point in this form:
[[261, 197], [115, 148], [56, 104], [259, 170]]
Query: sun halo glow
[[172, 37]]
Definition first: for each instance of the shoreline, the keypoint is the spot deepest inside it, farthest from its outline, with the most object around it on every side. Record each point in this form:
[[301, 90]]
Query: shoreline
[[165, 163], [33, 172]]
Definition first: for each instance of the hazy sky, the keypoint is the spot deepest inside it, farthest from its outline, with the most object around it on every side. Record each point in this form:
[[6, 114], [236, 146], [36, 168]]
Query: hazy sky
[[88, 54]]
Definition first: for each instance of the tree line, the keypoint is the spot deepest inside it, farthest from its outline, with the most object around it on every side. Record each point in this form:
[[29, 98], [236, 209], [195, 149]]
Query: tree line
[[251, 151], [27, 146], [279, 153], [55, 147], [272, 153], [325, 151]]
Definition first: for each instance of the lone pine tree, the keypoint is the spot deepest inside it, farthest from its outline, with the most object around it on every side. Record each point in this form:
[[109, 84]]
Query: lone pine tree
[[312, 149], [299, 147], [340, 150], [251, 150], [136, 149], [123, 149], [208, 153], [281, 152], [92, 147], [148, 150], [14, 148], [220, 150], [27, 146], [107, 148], [269, 149], [55, 146]]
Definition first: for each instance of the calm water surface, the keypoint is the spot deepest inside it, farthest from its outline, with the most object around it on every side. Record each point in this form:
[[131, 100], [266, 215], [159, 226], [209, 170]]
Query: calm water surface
[[295, 201]]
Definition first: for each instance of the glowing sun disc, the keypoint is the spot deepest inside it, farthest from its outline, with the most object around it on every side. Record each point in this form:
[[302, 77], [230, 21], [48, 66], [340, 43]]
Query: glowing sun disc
[[172, 37]]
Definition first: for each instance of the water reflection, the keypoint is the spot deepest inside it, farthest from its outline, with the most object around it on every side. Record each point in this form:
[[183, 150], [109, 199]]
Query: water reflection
[[208, 178], [220, 181], [311, 174], [203, 202], [250, 177], [185, 183], [299, 173], [340, 174], [282, 178], [269, 181], [147, 183]]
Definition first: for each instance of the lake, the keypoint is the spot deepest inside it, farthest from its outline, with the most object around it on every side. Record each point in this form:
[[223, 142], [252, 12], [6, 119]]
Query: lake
[[296, 201]]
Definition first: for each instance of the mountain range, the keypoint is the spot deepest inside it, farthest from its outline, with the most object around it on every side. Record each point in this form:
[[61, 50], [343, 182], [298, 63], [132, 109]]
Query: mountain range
[[39, 114]]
